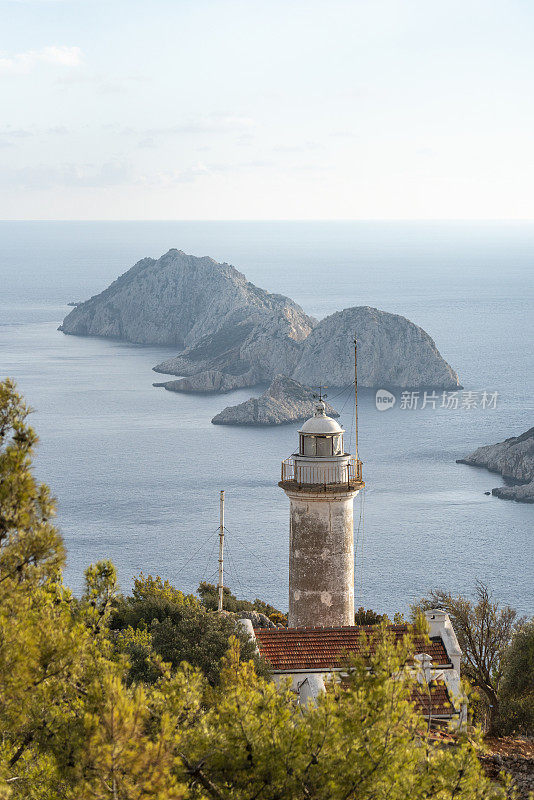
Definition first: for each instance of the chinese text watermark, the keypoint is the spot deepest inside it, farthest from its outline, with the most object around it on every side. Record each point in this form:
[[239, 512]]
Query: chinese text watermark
[[452, 401]]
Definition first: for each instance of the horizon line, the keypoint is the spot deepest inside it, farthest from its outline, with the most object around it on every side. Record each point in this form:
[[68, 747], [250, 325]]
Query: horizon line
[[276, 219]]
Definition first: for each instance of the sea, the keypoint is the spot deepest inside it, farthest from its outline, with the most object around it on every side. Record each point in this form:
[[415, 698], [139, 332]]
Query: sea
[[137, 470]]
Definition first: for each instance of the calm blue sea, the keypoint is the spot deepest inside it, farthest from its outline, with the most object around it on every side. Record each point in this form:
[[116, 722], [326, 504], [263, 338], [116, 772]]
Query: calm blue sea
[[137, 470]]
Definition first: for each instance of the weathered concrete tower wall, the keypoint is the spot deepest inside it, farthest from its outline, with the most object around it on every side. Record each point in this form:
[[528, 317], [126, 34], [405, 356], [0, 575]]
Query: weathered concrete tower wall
[[321, 558]]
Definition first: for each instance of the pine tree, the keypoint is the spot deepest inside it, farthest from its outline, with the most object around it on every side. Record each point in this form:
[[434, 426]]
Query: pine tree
[[484, 631], [124, 758], [40, 642], [363, 740]]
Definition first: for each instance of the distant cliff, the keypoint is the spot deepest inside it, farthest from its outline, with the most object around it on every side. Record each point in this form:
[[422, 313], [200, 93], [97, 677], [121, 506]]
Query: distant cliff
[[249, 347], [183, 301], [209, 381], [232, 334], [513, 459], [284, 401], [392, 351]]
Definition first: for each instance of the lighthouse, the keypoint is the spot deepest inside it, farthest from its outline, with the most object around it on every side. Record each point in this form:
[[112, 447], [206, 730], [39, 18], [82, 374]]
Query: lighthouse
[[321, 481]]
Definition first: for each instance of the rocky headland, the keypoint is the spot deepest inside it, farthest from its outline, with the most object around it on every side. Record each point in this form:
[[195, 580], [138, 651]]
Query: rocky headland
[[250, 347], [211, 380], [514, 460], [284, 401]]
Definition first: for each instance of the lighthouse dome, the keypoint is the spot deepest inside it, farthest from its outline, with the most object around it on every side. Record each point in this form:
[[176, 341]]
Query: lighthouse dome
[[320, 423]]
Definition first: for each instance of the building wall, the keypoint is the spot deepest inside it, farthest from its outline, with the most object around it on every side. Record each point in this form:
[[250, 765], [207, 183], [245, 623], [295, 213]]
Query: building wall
[[321, 559], [309, 684]]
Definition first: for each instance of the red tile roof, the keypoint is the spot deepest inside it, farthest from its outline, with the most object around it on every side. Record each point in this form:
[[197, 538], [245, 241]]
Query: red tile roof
[[292, 649], [438, 704]]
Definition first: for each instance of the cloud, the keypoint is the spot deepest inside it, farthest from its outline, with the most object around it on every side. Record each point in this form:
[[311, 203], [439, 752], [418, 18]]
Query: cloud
[[186, 175], [203, 170], [425, 151], [297, 148], [209, 123], [10, 135], [24, 63], [102, 83], [214, 123], [148, 141], [113, 173], [345, 135], [118, 172]]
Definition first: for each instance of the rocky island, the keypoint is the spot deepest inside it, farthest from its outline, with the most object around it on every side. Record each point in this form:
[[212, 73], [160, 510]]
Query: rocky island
[[514, 460], [284, 401], [231, 334], [392, 351], [209, 311]]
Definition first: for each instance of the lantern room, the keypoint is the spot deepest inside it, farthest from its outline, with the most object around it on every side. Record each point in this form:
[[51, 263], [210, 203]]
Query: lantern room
[[321, 436]]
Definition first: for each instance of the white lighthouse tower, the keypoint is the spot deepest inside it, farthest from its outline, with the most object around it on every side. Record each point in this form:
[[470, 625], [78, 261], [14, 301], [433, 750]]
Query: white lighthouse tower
[[321, 481]]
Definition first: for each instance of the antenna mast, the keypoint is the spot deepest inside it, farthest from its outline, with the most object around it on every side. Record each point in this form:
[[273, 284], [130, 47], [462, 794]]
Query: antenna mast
[[356, 395], [220, 585]]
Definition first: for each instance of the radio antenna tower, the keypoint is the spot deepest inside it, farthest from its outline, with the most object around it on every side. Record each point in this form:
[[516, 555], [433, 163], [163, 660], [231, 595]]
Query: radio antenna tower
[[356, 397], [220, 585]]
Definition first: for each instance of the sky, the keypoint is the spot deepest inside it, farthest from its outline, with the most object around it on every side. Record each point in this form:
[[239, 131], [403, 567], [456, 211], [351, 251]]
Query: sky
[[266, 109]]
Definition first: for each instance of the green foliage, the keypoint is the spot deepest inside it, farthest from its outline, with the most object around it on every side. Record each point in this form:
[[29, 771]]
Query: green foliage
[[368, 617], [97, 701], [43, 648], [516, 693], [150, 588], [201, 639], [151, 599], [209, 596], [99, 594], [31, 549], [53, 649], [363, 740], [484, 631], [278, 618], [179, 629], [126, 756], [136, 645], [420, 622], [265, 608]]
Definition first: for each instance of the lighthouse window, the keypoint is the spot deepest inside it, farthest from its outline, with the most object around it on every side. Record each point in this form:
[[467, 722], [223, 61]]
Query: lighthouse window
[[309, 445], [337, 445], [324, 446]]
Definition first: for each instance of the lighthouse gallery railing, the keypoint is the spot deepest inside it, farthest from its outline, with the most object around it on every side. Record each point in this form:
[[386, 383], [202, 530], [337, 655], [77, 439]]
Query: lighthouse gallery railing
[[322, 474]]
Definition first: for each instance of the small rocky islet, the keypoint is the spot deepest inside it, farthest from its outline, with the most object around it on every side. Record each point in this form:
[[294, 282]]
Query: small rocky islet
[[284, 401], [514, 460]]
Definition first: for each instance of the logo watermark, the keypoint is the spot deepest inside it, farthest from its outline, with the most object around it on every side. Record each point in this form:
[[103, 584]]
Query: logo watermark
[[384, 400], [451, 401]]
